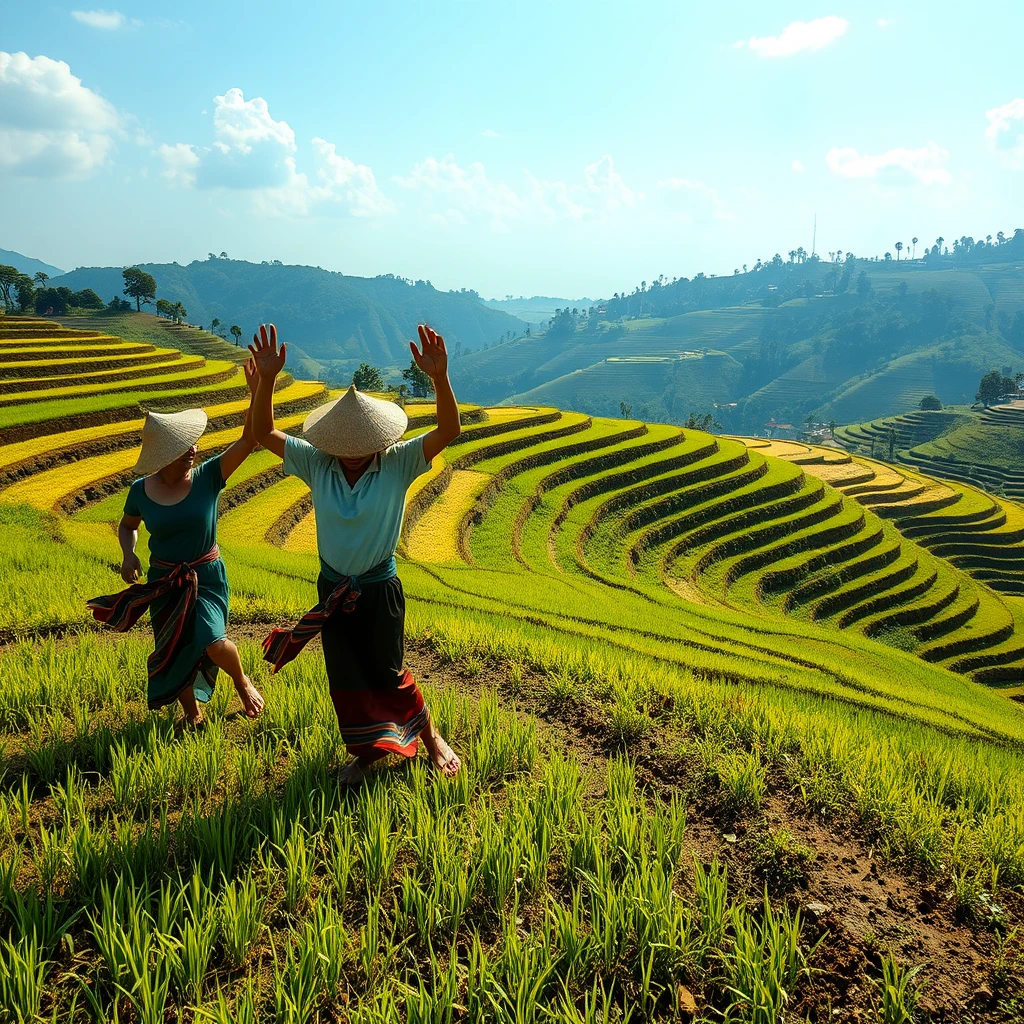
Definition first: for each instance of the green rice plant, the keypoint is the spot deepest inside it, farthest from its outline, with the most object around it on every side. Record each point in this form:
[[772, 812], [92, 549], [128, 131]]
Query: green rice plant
[[297, 981], [243, 1009], [744, 781], [22, 978], [240, 918], [298, 868], [378, 839], [711, 889], [896, 992], [217, 835], [779, 860], [764, 965], [44, 747], [196, 937], [44, 917]]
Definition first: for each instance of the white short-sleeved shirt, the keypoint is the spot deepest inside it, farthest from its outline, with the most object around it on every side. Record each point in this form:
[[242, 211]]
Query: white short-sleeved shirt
[[357, 527]]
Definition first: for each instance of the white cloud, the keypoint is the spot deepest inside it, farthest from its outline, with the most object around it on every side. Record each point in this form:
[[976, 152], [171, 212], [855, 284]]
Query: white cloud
[[108, 21], [50, 124], [1005, 131], [798, 167], [719, 208], [453, 193], [925, 164], [180, 162], [490, 133], [253, 151], [886, 22], [797, 37]]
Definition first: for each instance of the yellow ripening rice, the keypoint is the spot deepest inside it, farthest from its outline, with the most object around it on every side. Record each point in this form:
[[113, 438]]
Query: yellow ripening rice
[[435, 538], [48, 489], [302, 540]]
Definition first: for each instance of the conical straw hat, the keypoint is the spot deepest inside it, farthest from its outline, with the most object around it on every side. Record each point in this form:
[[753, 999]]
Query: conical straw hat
[[355, 425], [166, 436]]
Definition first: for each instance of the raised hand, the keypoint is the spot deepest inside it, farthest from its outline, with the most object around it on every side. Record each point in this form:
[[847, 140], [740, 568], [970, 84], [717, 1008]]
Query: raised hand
[[265, 353], [252, 377], [433, 360]]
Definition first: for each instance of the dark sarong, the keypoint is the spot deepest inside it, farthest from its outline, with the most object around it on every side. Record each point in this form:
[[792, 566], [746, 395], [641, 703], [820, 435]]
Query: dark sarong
[[179, 655]]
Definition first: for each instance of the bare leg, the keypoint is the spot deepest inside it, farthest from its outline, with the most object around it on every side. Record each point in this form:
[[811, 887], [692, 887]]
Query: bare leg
[[224, 654], [189, 705], [443, 757]]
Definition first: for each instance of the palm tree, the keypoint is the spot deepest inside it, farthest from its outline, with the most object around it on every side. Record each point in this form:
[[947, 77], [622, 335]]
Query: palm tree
[[913, 251], [899, 247], [214, 324], [938, 244], [792, 255], [236, 332]]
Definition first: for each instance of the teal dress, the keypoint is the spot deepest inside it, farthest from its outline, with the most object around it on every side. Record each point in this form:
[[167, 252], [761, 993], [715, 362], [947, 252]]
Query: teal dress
[[178, 533]]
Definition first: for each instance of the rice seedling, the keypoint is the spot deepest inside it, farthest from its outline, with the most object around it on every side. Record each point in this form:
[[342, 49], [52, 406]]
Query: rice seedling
[[896, 992]]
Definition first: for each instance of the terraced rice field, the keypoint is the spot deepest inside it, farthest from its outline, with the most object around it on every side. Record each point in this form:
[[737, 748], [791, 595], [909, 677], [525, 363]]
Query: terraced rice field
[[650, 645]]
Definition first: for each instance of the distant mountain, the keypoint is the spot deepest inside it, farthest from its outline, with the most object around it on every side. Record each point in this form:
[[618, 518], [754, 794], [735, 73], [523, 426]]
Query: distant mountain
[[333, 320], [538, 309], [844, 341], [27, 265]]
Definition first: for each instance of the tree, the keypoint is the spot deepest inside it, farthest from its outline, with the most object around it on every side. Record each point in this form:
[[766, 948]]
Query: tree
[[86, 299], [913, 252], [119, 305], [892, 443], [8, 280], [180, 312], [53, 300], [26, 294], [625, 409], [164, 307], [930, 403], [695, 421], [420, 383], [899, 248], [368, 378], [864, 288], [41, 277], [990, 388], [139, 285], [236, 333], [214, 324]]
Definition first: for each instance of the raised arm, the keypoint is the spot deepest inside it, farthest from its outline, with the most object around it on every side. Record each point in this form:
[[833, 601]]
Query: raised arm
[[234, 456], [269, 362], [433, 361]]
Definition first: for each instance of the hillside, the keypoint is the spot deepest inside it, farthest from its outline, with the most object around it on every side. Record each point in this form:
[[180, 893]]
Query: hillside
[[28, 265], [734, 717], [334, 320], [846, 341], [537, 308], [984, 447]]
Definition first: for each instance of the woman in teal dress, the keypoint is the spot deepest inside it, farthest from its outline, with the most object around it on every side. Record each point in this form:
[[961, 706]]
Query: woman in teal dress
[[187, 588]]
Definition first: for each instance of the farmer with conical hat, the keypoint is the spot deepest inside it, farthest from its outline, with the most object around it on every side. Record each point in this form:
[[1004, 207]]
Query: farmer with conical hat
[[358, 469], [186, 589]]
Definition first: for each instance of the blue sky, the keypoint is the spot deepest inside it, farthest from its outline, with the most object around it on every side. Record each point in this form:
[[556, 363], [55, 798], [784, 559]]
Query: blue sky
[[535, 148]]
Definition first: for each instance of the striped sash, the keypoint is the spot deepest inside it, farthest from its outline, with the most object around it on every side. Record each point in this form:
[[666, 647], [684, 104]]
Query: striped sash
[[283, 644], [121, 611]]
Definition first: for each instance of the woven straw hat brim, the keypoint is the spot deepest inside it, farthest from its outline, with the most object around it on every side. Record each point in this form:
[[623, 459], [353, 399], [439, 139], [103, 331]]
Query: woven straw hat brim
[[167, 436], [355, 425]]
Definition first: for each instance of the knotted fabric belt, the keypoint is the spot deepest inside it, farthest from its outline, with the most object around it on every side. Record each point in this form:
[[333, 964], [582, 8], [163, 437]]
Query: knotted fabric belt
[[284, 644], [121, 611]]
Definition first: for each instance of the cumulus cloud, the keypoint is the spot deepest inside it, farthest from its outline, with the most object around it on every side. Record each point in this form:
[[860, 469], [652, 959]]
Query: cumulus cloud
[[252, 151], [453, 193], [108, 21], [798, 167], [701, 191], [797, 37], [1005, 131], [925, 164], [50, 124]]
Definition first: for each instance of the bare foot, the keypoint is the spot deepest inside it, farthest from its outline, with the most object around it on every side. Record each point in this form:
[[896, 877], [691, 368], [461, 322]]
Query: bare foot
[[190, 723], [352, 773], [442, 757], [251, 698]]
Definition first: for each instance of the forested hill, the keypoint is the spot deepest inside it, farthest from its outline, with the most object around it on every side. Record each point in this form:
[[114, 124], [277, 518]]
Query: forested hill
[[335, 320], [845, 339]]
